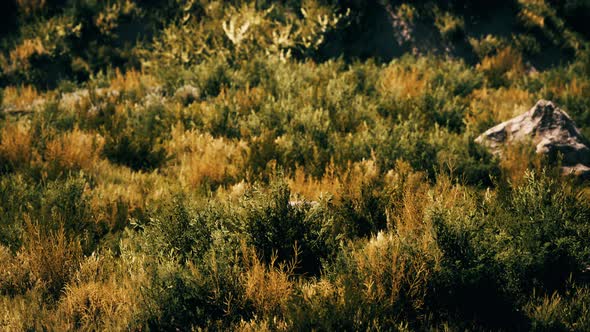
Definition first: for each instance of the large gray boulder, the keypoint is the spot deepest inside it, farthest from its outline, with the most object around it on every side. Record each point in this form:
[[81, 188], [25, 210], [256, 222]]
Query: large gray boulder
[[550, 130]]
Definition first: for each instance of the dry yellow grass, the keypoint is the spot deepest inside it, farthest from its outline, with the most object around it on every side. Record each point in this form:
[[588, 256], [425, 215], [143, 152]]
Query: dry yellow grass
[[103, 295], [335, 181], [573, 88], [531, 19], [498, 105], [136, 189], [19, 56], [14, 272], [410, 197], [108, 193], [311, 188], [51, 257], [249, 99], [73, 151], [402, 82], [262, 325], [16, 144], [76, 101], [506, 65], [358, 174], [387, 267], [201, 158], [532, 13], [21, 313], [133, 81], [322, 289], [95, 306], [269, 288], [403, 258], [517, 159], [19, 98]]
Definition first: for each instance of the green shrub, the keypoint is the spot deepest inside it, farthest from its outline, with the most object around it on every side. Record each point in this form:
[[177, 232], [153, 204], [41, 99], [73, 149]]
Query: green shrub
[[180, 232], [179, 298], [276, 226], [466, 161], [135, 141], [65, 205], [561, 312], [530, 239], [547, 223], [471, 284], [16, 196], [405, 141]]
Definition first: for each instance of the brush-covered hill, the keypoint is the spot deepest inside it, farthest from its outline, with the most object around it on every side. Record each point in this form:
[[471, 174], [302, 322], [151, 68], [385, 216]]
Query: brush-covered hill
[[290, 165], [48, 41]]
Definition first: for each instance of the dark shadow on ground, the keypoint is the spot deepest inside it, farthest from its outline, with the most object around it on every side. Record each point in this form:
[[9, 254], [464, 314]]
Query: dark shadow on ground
[[375, 31]]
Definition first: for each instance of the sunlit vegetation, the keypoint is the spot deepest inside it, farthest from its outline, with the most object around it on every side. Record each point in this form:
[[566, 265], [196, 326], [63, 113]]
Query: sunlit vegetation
[[186, 165]]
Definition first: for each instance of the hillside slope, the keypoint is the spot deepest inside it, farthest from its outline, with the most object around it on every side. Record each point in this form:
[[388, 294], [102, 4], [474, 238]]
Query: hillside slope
[[290, 165]]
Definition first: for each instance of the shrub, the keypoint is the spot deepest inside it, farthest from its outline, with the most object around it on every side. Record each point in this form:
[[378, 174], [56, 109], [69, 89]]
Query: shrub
[[275, 225], [51, 257], [212, 166], [466, 161], [560, 312], [16, 196], [487, 46], [502, 68], [503, 248], [469, 273], [15, 275], [102, 294], [178, 298], [404, 141], [183, 296], [179, 231], [137, 143], [65, 205], [549, 222]]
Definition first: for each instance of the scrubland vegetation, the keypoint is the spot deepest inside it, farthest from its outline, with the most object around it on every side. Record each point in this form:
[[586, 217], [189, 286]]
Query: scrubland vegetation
[[225, 165]]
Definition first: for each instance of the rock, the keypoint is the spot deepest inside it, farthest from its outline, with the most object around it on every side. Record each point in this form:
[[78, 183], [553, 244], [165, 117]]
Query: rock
[[550, 130]]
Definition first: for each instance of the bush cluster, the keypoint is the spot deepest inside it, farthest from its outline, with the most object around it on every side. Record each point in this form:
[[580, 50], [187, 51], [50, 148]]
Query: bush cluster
[[225, 174]]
